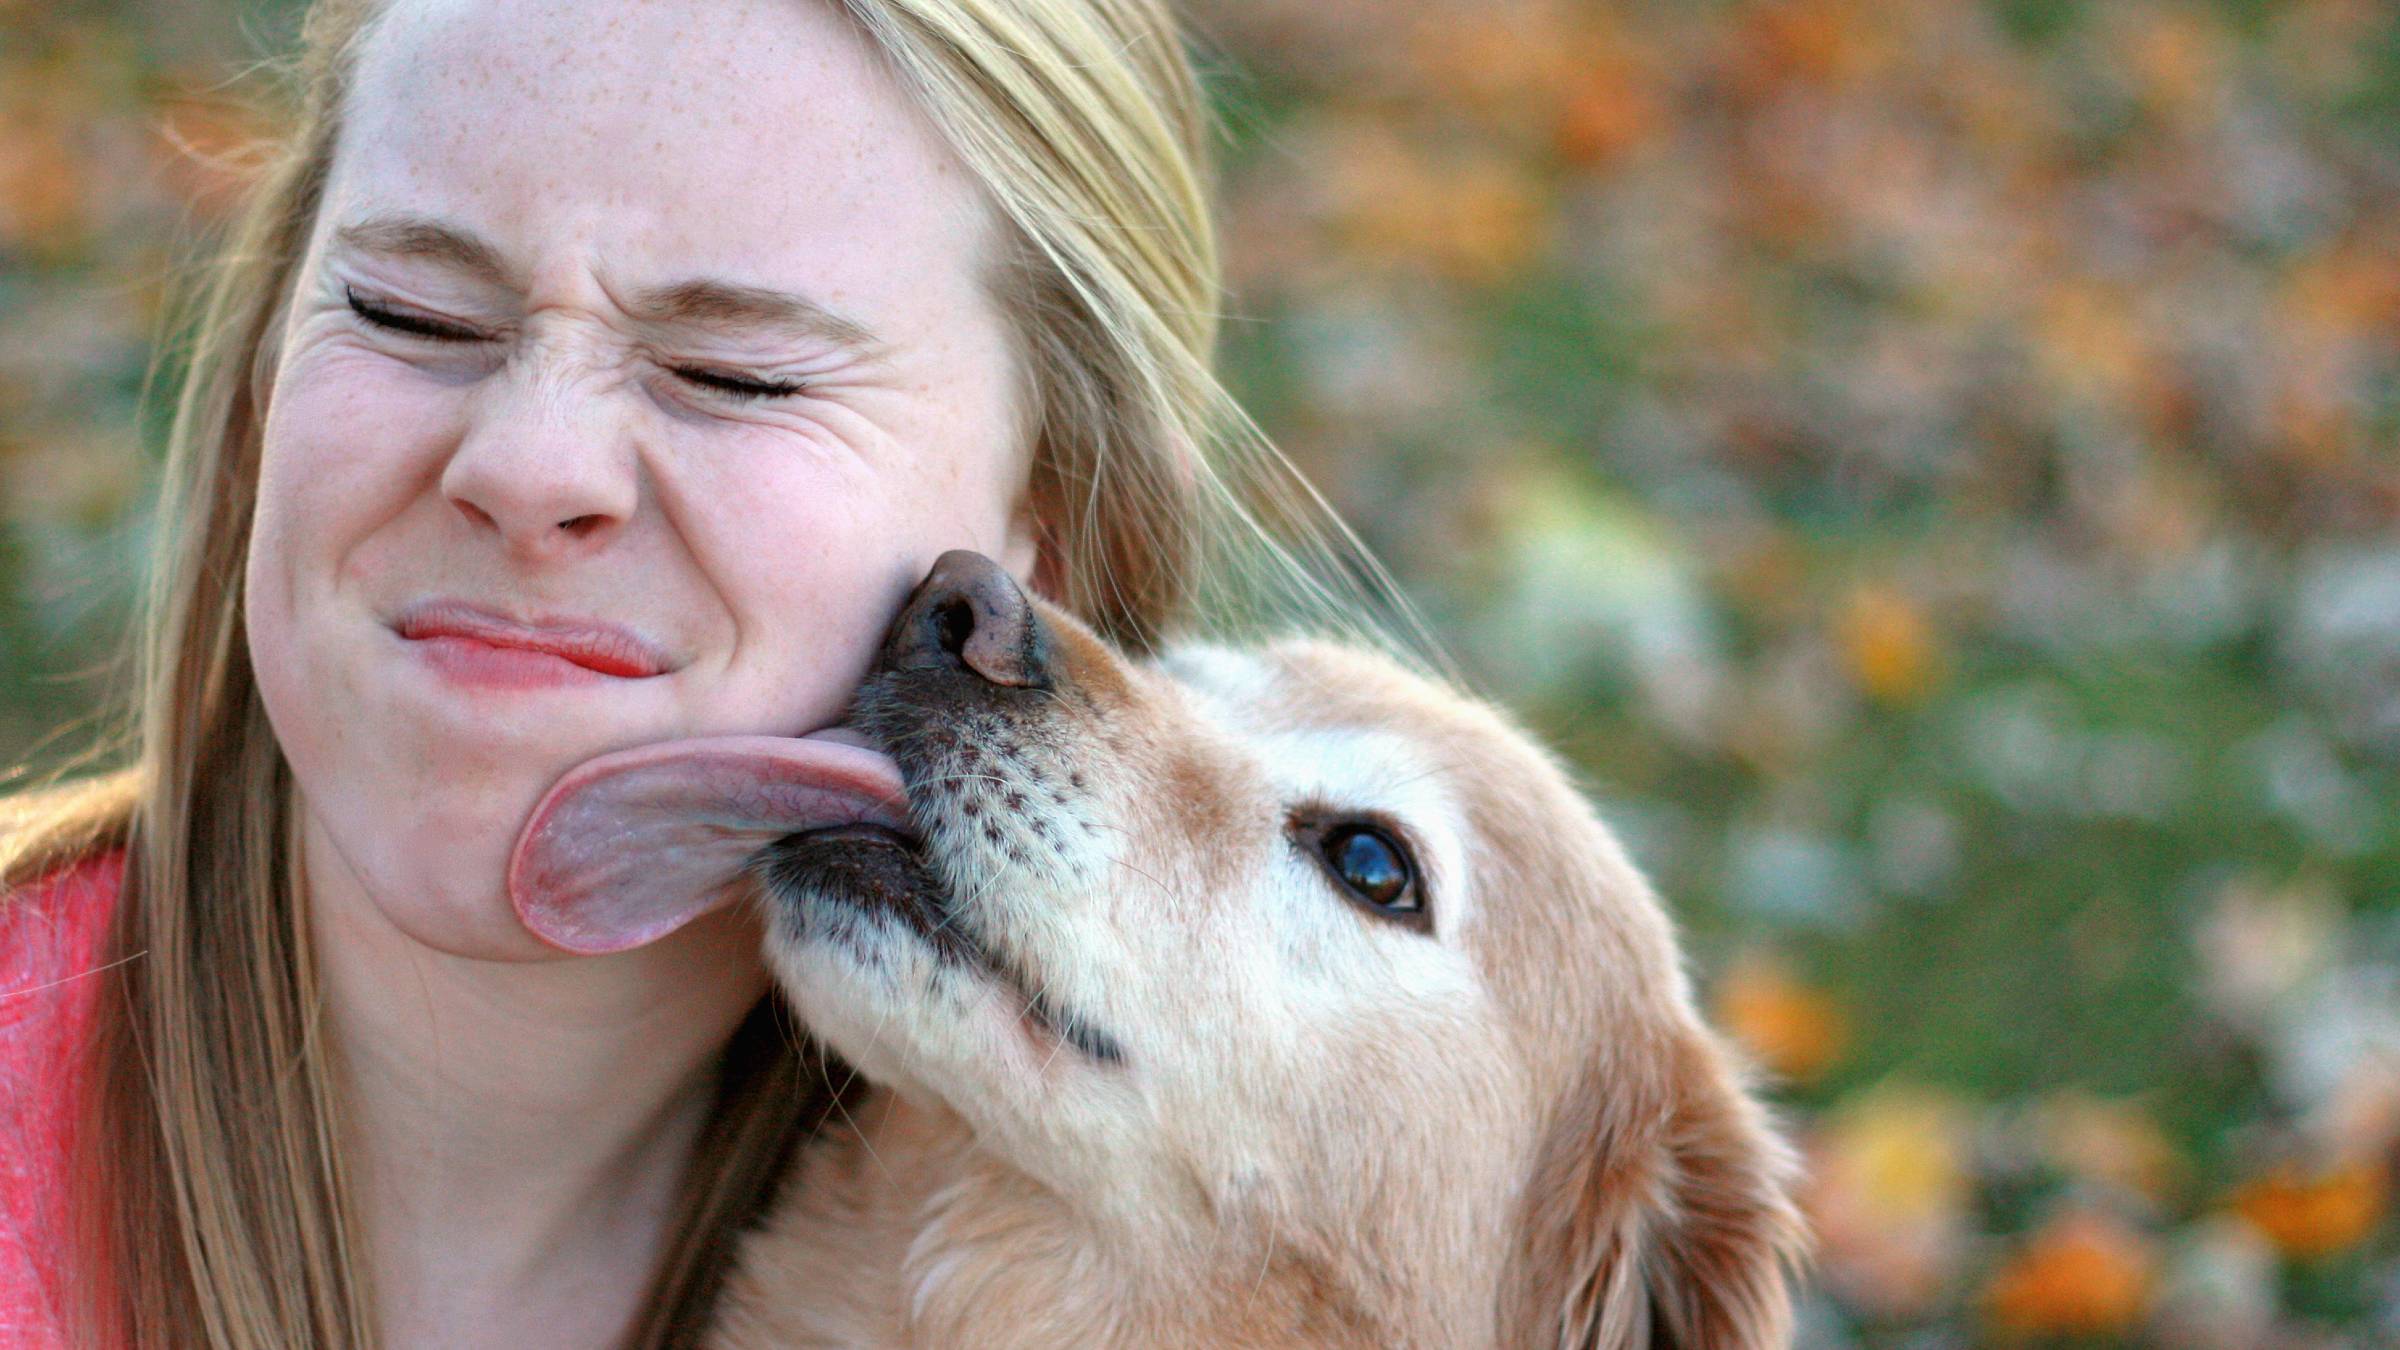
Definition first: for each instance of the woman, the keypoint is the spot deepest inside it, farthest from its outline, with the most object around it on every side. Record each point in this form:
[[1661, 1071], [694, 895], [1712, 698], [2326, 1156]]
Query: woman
[[674, 338]]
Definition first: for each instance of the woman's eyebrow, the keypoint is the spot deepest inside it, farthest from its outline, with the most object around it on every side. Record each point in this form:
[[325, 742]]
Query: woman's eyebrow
[[699, 303], [418, 237], [725, 304]]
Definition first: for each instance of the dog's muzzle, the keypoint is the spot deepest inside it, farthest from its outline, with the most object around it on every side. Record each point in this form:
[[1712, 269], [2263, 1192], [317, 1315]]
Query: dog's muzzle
[[628, 847]]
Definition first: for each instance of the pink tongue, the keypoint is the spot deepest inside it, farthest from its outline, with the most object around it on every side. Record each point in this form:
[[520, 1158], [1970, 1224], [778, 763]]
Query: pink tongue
[[631, 846]]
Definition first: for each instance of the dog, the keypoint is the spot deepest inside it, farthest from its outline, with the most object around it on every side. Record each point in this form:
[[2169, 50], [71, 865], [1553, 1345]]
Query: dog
[[1244, 998]]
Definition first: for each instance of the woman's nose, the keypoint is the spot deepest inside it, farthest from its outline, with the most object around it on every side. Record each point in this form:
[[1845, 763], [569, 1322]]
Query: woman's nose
[[550, 470]]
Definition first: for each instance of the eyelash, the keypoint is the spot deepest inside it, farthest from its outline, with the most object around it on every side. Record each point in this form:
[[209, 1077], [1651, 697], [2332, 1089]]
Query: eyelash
[[410, 324], [731, 386]]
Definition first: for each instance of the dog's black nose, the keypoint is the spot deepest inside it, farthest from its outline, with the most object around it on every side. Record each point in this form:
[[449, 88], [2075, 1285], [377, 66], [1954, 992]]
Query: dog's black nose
[[970, 615]]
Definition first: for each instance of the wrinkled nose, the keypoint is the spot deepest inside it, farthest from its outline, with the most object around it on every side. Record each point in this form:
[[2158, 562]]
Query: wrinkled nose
[[969, 615]]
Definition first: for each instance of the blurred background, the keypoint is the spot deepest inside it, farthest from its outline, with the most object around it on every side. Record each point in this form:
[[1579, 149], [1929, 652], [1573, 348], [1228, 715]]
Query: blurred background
[[1933, 466]]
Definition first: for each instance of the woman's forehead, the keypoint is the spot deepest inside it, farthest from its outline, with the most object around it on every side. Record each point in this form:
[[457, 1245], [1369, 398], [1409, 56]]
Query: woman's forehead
[[757, 140]]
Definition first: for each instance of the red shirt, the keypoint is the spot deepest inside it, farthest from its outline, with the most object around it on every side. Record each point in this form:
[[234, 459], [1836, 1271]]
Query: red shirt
[[50, 941]]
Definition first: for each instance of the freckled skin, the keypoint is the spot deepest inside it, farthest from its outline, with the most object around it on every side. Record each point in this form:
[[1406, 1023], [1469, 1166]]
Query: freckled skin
[[603, 149]]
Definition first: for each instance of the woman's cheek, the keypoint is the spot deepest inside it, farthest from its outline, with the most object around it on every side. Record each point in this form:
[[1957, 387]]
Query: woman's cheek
[[309, 483], [346, 420], [808, 559]]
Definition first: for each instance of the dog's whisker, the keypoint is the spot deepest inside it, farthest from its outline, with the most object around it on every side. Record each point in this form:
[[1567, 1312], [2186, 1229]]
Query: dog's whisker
[[946, 779], [1266, 1262], [850, 1082], [1156, 884], [1051, 1058], [1051, 694], [859, 1132], [952, 913], [1034, 1005]]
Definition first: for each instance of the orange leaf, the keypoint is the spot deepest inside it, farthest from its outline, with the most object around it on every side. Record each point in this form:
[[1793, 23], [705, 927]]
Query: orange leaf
[[2083, 1274], [1607, 115], [2312, 1212], [1793, 1029], [1888, 645]]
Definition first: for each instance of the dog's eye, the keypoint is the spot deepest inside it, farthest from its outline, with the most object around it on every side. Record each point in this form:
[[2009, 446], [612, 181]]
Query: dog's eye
[[1369, 863], [1373, 866]]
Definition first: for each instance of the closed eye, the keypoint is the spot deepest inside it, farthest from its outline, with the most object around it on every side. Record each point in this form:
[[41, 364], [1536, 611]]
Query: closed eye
[[738, 386], [401, 321]]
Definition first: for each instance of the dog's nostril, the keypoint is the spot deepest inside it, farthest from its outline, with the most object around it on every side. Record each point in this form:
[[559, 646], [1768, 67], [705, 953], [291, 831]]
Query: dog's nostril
[[970, 616], [953, 624]]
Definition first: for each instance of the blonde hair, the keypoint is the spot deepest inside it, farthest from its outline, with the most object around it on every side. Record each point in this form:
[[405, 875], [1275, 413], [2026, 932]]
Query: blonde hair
[[217, 1203]]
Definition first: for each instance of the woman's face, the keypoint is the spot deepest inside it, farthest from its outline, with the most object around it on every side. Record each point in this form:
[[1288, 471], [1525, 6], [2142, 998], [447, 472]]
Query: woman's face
[[665, 318]]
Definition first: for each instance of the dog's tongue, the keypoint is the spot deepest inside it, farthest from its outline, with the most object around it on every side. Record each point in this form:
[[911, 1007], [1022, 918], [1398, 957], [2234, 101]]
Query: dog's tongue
[[631, 846]]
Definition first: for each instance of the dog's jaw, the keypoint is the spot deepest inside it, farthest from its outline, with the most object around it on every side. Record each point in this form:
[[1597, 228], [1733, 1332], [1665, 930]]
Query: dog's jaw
[[904, 1232]]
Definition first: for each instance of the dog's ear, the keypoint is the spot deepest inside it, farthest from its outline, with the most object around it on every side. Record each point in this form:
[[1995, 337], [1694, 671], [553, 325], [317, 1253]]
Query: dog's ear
[[1660, 1212]]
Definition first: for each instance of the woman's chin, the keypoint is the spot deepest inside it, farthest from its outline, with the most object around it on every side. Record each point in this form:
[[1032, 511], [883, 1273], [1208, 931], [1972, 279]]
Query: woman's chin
[[418, 875]]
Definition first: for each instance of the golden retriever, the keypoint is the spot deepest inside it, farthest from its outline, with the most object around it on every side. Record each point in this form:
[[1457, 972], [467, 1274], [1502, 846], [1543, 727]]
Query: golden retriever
[[1249, 998]]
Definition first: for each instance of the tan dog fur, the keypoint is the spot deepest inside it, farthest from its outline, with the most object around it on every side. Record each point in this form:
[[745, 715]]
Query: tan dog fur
[[1325, 1130]]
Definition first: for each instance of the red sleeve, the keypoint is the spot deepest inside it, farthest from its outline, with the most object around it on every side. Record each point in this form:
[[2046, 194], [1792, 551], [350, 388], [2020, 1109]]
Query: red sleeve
[[51, 935]]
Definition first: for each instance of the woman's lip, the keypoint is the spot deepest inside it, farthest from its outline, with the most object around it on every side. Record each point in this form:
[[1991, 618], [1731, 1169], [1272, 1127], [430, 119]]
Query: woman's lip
[[590, 643]]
